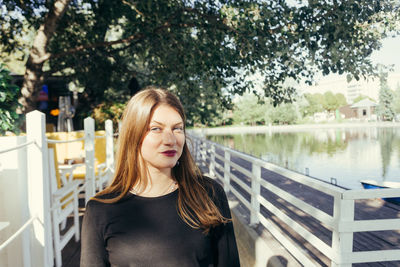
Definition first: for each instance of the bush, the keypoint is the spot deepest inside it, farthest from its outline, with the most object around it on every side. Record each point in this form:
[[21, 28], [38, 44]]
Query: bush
[[282, 114], [9, 119], [108, 111]]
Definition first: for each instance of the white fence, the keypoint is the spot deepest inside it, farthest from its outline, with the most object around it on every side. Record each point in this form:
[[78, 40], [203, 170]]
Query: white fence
[[341, 222], [27, 198]]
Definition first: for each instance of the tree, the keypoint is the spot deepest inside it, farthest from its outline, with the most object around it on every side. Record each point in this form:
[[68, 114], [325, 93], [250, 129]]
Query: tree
[[396, 100], [284, 113], [361, 97], [386, 137], [341, 99], [249, 110], [332, 101], [385, 108], [9, 119], [315, 104], [102, 45]]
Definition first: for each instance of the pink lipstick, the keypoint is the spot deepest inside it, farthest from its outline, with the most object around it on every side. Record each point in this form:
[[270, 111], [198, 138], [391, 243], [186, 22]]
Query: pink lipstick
[[169, 153]]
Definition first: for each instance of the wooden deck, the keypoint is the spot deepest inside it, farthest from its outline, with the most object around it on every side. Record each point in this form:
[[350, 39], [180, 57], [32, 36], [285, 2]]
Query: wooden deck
[[71, 253], [365, 209]]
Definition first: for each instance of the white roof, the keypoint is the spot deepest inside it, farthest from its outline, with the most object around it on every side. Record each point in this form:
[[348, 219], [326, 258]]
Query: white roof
[[364, 103]]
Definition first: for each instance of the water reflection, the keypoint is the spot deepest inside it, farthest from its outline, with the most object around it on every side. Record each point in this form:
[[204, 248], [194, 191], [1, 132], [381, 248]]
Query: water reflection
[[386, 139], [348, 154]]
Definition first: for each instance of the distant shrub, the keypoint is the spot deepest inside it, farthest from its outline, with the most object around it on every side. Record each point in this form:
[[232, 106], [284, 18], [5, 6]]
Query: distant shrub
[[9, 119], [108, 111]]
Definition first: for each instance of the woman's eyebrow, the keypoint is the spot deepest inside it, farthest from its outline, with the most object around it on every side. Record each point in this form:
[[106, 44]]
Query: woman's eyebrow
[[160, 123]]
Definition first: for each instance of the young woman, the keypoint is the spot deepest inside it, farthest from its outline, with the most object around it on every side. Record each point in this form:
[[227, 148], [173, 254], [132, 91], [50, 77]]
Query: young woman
[[158, 210]]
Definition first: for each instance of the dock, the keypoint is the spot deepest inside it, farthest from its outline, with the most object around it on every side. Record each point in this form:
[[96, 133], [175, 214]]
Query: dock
[[288, 200], [365, 209]]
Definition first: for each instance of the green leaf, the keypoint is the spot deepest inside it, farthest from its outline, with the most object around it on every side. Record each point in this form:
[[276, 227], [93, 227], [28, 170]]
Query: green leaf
[[3, 96]]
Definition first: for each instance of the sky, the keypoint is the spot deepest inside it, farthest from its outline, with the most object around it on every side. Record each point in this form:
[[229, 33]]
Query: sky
[[389, 53]]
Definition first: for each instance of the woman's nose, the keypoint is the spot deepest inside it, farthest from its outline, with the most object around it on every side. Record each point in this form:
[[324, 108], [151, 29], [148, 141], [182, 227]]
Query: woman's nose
[[169, 138]]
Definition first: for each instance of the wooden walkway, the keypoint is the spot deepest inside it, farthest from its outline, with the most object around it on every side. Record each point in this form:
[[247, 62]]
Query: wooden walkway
[[365, 209], [71, 253]]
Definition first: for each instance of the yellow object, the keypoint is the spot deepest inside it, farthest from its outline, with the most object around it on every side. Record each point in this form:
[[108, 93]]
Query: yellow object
[[58, 175], [54, 112], [73, 150]]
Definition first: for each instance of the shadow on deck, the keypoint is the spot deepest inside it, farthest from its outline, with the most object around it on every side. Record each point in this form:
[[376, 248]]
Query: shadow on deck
[[245, 234], [71, 253]]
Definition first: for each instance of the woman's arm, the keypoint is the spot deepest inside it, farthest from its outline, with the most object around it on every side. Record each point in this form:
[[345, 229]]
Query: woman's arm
[[93, 251]]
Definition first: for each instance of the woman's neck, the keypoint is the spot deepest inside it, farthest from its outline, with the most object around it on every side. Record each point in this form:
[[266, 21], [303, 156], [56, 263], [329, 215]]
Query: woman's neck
[[159, 182]]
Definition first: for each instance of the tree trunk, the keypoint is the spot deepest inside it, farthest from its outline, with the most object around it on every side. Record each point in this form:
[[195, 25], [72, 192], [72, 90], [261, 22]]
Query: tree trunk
[[33, 77]]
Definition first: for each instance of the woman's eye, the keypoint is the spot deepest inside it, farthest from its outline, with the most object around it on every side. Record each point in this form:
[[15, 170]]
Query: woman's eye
[[179, 129], [155, 129]]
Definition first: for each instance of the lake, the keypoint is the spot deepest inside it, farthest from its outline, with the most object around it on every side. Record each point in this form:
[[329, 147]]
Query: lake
[[341, 156]]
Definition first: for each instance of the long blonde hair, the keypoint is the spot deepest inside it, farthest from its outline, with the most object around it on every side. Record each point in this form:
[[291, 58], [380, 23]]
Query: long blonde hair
[[195, 206]]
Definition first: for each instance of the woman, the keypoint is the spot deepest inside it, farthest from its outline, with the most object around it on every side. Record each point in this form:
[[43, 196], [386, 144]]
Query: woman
[[158, 210]]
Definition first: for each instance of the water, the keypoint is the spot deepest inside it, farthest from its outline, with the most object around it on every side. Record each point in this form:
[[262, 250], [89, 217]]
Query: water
[[343, 156]]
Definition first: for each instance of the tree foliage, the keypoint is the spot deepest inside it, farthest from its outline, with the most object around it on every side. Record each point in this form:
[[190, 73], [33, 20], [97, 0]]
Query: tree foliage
[[284, 113], [315, 104], [385, 108], [108, 111], [197, 47], [396, 100], [249, 110], [341, 99], [319, 102], [332, 101], [362, 97], [9, 119]]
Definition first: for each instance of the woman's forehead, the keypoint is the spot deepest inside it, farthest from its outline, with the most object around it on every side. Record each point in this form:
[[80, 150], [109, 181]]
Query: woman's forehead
[[166, 114]]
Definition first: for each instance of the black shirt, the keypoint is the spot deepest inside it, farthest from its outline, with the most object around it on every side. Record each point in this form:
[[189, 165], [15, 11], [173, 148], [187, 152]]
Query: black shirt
[[148, 232]]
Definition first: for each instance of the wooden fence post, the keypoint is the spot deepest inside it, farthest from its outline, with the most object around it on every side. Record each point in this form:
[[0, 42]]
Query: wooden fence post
[[342, 242], [212, 161], [39, 190], [90, 188], [109, 144], [255, 189], [203, 151], [197, 153], [227, 170], [119, 126]]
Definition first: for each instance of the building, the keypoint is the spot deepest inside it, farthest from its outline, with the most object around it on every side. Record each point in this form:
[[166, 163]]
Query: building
[[351, 90], [364, 109]]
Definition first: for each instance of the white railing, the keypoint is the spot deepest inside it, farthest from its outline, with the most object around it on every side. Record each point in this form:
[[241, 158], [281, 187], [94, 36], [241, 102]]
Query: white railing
[[16, 147], [22, 229], [341, 222], [39, 200], [17, 233]]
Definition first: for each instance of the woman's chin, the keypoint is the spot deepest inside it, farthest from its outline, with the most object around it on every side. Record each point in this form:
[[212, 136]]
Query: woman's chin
[[167, 166]]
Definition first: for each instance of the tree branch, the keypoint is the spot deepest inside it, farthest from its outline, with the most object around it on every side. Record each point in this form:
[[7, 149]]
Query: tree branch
[[95, 45], [140, 36]]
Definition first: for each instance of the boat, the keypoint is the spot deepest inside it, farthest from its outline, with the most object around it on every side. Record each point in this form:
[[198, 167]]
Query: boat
[[372, 184]]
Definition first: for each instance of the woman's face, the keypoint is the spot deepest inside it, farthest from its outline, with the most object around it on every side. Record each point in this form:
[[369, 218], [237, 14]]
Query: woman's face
[[163, 143]]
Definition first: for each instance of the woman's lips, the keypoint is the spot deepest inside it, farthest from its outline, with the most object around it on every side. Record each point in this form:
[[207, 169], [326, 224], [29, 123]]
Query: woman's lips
[[169, 153]]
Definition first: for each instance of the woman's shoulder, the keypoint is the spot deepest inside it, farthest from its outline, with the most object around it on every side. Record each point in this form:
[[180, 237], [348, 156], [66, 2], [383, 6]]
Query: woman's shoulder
[[217, 193], [102, 201], [213, 187]]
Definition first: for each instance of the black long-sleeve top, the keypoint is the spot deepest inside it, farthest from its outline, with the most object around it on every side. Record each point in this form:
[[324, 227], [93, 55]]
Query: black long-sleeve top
[[148, 232]]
